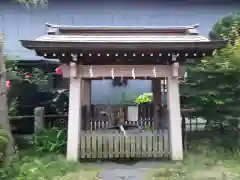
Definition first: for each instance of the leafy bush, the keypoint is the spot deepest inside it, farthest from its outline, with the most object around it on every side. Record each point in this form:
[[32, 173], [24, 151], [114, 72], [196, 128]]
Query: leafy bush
[[12, 170], [144, 98], [51, 140], [45, 167]]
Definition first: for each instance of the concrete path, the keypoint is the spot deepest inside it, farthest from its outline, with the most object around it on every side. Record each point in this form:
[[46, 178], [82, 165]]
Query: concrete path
[[122, 174], [116, 171]]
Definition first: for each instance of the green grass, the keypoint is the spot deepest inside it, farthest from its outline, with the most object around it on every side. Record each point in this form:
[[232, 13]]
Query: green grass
[[198, 167], [217, 158]]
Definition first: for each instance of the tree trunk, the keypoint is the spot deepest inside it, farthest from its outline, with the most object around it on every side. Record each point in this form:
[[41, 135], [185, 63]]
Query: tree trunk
[[4, 123]]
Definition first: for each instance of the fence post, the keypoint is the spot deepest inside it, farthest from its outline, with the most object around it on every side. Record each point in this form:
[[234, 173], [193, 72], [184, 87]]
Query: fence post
[[39, 119]]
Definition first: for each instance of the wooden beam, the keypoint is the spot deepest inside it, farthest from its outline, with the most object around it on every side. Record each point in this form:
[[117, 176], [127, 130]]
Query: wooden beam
[[134, 71]]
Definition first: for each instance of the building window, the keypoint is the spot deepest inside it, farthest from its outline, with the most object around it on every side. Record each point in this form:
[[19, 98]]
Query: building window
[[119, 82]]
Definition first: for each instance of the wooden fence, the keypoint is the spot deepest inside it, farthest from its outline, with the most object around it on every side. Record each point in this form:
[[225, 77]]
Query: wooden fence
[[96, 125], [97, 121], [114, 145]]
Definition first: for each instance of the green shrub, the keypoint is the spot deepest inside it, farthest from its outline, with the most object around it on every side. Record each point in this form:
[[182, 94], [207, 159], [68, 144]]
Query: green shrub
[[45, 167], [144, 98], [51, 140], [9, 172]]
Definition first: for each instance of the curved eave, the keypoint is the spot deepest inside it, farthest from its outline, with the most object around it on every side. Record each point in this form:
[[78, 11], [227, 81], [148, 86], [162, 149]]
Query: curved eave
[[56, 46]]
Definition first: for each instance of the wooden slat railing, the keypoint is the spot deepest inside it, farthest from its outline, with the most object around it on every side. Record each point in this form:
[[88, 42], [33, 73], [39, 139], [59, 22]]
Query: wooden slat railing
[[104, 145], [96, 125]]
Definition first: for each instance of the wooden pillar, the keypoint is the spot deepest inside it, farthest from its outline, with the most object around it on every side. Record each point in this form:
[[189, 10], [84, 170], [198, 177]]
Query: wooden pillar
[[157, 101], [75, 115], [175, 129], [86, 101]]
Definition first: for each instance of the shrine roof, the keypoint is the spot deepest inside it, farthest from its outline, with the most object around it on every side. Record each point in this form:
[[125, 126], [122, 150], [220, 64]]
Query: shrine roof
[[77, 39]]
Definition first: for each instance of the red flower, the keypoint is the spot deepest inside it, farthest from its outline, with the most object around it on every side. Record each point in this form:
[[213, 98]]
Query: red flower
[[7, 84], [58, 71], [27, 76]]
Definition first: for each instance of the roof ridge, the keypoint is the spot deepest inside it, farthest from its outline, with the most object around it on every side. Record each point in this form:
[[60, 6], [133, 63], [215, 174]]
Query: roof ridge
[[55, 29], [49, 25]]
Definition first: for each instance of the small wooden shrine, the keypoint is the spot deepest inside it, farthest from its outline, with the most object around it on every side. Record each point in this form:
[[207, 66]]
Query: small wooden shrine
[[152, 53]]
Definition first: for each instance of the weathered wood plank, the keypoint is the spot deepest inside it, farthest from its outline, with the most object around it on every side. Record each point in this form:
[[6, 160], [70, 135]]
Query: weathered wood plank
[[149, 146], [82, 146], [116, 145], [91, 126], [127, 142], [88, 146], [122, 138], [138, 146], [105, 145], [160, 145], [155, 146], [166, 144], [132, 146], [143, 149], [100, 145], [94, 146], [110, 147]]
